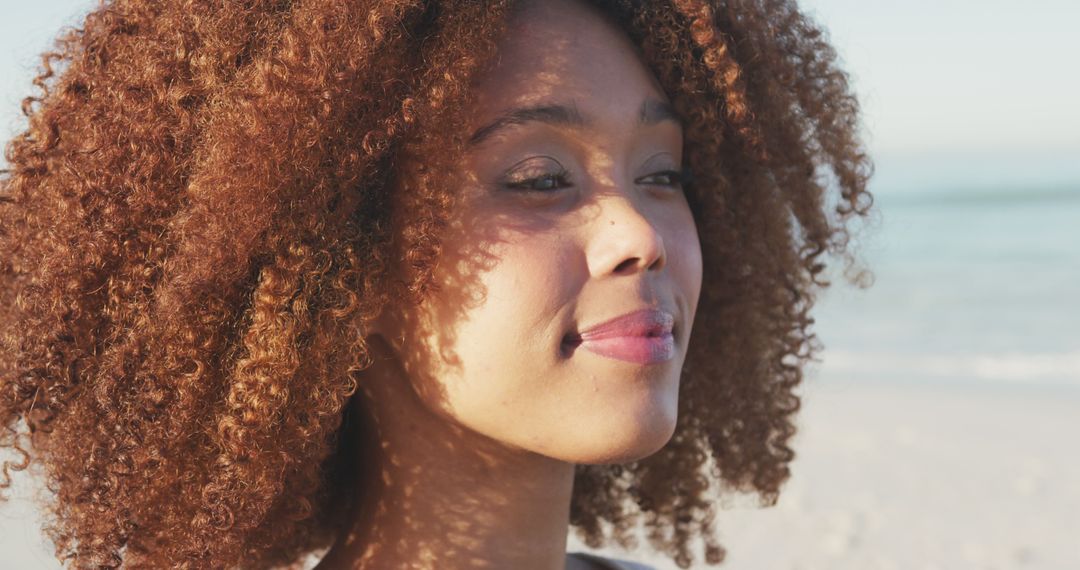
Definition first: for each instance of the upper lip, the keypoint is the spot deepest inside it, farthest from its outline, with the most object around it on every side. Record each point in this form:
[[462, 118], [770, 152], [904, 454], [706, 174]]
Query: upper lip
[[643, 322]]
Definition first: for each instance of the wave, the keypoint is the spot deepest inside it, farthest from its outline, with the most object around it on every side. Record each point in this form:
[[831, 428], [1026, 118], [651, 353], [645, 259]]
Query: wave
[[1005, 367], [982, 196]]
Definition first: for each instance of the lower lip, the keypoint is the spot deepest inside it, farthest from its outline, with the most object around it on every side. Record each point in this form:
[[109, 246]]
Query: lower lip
[[636, 349]]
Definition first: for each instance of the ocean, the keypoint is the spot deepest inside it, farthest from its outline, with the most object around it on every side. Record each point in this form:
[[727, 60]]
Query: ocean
[[972, 287]]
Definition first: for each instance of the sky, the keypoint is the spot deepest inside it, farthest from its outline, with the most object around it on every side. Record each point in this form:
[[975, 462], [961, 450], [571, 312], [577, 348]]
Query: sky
[[955, 93], [962, 94]]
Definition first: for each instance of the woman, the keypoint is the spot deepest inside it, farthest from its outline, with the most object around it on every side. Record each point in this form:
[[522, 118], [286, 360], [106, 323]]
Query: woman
[[416, 281]]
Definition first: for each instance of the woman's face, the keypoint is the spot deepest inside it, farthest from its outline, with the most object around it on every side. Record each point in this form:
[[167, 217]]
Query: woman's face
[[570, 216]]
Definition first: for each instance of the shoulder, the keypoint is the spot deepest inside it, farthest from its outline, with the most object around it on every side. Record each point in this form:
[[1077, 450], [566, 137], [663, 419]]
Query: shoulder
[[604, 563]]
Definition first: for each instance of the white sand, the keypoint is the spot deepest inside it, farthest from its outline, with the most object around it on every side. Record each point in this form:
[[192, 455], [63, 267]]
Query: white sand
[[918, 478], [913, 478]]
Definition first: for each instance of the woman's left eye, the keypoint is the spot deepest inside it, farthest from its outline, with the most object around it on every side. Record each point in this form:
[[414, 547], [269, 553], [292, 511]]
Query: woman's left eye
[[671, 178]]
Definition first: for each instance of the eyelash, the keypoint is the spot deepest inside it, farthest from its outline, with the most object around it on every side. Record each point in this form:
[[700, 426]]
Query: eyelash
[[680, 178]]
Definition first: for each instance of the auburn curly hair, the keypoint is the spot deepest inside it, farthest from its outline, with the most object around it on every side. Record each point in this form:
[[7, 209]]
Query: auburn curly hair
[[195, 228]]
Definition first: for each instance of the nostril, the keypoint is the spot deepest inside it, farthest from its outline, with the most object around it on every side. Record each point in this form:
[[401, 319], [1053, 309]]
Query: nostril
[[626, 264]]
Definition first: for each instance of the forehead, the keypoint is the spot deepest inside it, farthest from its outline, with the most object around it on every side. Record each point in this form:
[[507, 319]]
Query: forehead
[[559, 51]]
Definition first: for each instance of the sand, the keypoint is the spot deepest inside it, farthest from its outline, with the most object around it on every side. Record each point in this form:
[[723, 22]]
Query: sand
[[918, 477], [915, 477]]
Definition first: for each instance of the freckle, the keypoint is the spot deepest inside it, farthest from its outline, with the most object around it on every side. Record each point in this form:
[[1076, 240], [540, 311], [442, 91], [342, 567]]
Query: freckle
[[612, 222]]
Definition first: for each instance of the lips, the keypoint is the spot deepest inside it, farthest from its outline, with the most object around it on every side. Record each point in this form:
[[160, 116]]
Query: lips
[[641, 337]]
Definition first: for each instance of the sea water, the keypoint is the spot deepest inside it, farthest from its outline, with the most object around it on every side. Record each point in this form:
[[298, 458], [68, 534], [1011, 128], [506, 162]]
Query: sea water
[[971, 287]]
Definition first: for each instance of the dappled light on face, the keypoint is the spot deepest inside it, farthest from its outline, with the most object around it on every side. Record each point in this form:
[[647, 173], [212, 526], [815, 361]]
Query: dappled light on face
[[519, 267], [398, 497]]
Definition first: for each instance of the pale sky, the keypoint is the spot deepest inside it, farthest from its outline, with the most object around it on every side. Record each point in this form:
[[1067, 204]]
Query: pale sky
[[964, 93], [955, 92]]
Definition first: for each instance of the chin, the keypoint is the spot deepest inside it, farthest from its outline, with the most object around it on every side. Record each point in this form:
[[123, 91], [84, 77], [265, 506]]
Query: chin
[[631, 444]]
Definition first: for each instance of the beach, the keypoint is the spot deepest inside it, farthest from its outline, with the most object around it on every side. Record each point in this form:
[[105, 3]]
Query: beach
[[916, 477]]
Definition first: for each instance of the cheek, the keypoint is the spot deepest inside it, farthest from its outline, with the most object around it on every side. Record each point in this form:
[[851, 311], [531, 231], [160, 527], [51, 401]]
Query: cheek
[[508, 309], [500, 352], [526, 289], [684, 254], [690, 243]]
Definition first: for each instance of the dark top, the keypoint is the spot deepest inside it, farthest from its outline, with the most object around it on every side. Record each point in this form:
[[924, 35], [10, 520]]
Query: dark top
[[610, 563]]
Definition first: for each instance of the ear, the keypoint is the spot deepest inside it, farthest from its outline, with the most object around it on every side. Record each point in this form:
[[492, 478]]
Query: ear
[[386, 328], [378, 345]]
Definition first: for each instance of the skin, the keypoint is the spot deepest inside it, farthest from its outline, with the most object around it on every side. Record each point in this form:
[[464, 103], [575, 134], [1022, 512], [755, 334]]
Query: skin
[[478, 411]]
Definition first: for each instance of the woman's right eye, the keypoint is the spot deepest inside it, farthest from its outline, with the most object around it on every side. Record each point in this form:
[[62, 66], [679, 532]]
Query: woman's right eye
[[543, 183]]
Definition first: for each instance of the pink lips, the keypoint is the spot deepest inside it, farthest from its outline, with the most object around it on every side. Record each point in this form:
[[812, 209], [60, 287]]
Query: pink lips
[[642, 337]]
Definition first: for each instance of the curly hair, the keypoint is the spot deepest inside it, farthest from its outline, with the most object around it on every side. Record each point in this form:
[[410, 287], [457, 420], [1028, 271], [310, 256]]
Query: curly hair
[[196, 226]]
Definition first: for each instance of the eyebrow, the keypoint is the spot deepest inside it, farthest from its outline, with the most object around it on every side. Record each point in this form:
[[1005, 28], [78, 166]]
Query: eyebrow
[[652, 111]]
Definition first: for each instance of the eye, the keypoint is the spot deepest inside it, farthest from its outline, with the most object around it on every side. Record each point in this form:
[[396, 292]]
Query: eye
[[670, 178], [542, 182]]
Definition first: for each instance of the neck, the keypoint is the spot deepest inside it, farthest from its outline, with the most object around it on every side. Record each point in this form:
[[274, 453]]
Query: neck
[[439, 495]]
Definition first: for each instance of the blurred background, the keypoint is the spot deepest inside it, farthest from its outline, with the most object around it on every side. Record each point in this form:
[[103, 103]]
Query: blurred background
[[939, 429]]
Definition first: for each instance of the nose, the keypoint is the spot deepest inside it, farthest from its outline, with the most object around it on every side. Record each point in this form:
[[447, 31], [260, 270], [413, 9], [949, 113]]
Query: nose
[[625, 240]]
